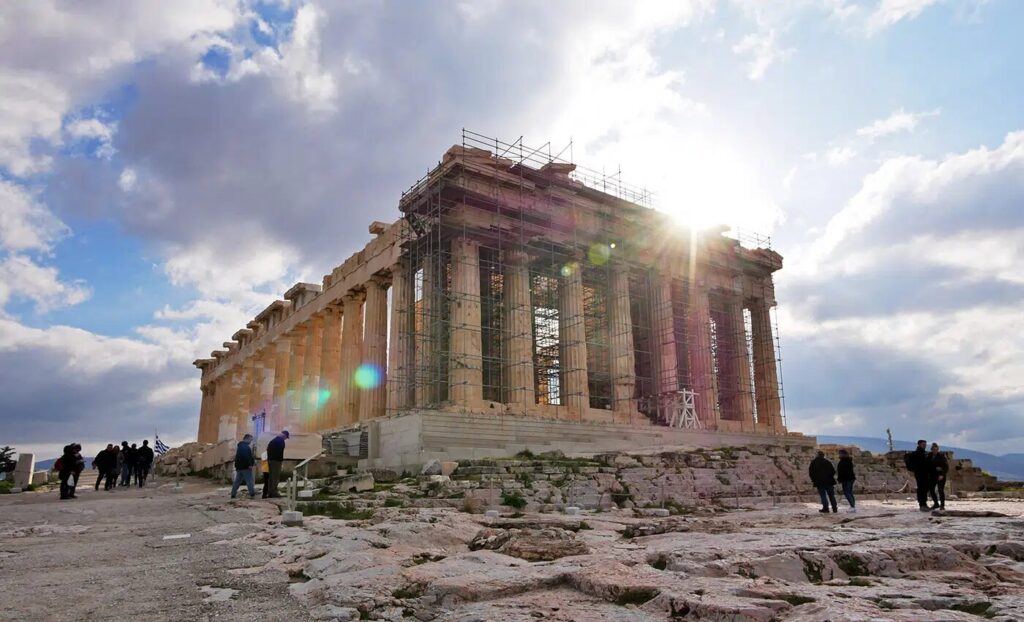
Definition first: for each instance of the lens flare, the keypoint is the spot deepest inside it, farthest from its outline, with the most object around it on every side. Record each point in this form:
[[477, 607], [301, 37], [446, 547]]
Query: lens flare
[[367, 376], [599, 254], [570, 269]]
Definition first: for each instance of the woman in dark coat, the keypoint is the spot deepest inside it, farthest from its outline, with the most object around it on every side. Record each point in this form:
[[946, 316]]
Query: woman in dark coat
[[846, 477], [65, 469], [939, 468]]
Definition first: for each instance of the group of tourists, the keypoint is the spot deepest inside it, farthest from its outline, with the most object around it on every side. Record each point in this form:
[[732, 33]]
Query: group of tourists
[[123, 466], [245, 465], [929, 469]]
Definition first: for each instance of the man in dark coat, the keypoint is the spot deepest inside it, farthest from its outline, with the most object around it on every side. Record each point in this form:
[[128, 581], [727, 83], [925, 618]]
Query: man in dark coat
[[823, 476], [917, 463], [937, 473], [846, 477], [102, 465], [127, 463], [65, 466], [244, 462], [144, 461], [275, 456]]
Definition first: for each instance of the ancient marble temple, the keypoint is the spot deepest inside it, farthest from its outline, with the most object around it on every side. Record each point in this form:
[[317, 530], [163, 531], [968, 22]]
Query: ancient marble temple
[[513, 288]]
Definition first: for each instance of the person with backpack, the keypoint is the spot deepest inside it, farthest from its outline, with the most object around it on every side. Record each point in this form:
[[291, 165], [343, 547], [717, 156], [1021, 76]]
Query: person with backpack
[[244, 463], [823, 476], [939, 468], [145, 462], [275, 458], [65, 467], [846, 477], [917, 462]]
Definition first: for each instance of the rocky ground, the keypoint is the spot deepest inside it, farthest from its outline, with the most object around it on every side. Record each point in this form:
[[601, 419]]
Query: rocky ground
[[108, 556]]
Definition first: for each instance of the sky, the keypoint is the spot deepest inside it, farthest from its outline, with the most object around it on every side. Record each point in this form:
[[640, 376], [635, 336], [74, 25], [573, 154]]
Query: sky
[[167, 169]]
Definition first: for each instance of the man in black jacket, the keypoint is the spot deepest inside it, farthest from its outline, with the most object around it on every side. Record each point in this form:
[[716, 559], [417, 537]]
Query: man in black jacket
[[917, 462], [244, 461], [823, 476], [102, 465], [846, 477], [275, 456], [144, 461], [939, 468]]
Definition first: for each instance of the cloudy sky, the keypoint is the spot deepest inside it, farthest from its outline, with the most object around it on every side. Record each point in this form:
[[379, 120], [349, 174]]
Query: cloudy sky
[[167, 168]]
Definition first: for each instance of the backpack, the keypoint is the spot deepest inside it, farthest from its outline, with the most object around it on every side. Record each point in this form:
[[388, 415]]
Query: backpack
[[58, 465]]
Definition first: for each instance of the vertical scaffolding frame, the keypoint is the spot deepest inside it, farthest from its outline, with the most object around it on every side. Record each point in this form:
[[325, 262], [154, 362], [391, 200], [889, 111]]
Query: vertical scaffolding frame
[[491, 199]]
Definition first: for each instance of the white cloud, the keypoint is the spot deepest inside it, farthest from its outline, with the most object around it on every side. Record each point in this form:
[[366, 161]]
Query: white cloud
[[22, 277], [763, 50], [840, 155], [890, 12], [25, 223], [899, 121]]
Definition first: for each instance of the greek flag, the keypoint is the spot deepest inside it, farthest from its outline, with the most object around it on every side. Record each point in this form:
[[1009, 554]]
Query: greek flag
[[159, 447]]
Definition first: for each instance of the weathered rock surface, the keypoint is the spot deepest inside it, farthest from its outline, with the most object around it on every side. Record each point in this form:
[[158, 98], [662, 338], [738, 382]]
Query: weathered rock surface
[[888, 562]]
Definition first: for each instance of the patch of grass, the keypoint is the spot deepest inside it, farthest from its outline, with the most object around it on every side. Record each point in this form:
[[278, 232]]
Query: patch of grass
[[851, 565], [796, 600], [635, 596], [5, 487], [423, 558], [340, 511], [584, 526], [977, 609], [812, 570], [860, 582], [413, 590], [661, 563], [392, 502], [513, 499], [525, 454], [885, 604]]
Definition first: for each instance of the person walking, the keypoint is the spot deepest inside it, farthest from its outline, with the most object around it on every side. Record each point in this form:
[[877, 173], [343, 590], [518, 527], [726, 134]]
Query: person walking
[[917, 463], [101, 463], [127, 462], [76, 473], [823, 476], [275, 457], [133, 476], [65, 466], [114, 465], [846, 477], [244, 463], [145, 462], [939, 469]]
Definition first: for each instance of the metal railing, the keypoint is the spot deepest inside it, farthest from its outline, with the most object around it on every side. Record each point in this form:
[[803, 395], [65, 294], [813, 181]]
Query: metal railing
[[293, 483]]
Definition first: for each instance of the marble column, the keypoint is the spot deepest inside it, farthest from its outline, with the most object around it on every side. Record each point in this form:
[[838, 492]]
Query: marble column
[[205, 414], [664, 356], [572, 332], [373, 400], [766, 378], [351, 357], [465, 367], [266, 389], [232, 399], [297, 337], [245, 375], [425, 375], [277, 420], [621, 350], [310, 400], [519, 333], [734, 395], [400, 345], [702, 371], [330, 364]]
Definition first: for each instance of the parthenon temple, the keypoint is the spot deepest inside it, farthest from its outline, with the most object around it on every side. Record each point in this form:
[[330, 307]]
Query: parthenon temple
[[517, 301]]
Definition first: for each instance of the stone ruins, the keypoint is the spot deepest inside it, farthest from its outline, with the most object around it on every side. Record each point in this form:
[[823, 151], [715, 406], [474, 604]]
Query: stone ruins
[[520, 302]]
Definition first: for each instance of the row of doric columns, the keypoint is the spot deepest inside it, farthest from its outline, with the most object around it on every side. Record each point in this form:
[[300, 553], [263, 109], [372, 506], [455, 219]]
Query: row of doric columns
[[327, 371], [714, 360], [340, 366]]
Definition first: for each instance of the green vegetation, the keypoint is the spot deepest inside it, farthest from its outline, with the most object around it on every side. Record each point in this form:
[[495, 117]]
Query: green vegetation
[[851, 565], [584, 526], [413, 590], [392, 502], [861, 582], [525, 454], [5, 487], [513, 499], [812, 570], [333, 509], [980, 608]]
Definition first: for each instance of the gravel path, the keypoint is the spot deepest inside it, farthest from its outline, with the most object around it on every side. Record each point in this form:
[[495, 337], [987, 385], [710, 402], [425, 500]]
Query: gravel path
[[107, 556]]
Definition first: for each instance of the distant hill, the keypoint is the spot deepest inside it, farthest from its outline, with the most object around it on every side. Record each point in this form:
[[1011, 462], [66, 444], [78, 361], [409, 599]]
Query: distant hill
[[1007, 468]]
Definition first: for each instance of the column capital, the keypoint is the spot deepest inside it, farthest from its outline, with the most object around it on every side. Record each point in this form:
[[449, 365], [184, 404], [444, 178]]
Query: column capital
[[379, 280], [353, 296]]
